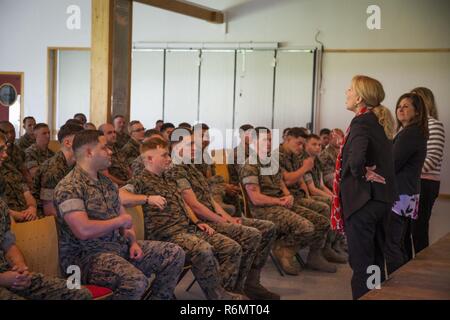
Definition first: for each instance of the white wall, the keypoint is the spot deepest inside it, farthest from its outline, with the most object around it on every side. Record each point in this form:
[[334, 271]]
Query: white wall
[[27, 28]]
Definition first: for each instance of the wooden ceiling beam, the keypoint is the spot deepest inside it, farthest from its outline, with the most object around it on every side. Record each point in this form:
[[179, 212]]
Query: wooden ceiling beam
[[188, 9]]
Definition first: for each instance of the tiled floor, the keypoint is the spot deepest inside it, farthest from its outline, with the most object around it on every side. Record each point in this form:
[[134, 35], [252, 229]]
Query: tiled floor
[[314, 285]]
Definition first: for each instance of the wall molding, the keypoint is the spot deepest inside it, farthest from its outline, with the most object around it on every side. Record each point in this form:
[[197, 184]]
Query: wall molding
[[387, 50]]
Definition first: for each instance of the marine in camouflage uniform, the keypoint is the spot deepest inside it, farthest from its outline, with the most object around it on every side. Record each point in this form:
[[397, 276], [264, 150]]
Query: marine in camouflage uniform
[[297, 226], [25, 141], [48, 176], [131, 151], [328, 159], [215, 258], [105, 260], [254, 236], [122, 139], [41, 287], [119, 167], [35, 156]]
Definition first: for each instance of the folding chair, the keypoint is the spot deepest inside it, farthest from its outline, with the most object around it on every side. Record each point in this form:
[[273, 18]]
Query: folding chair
[[38, 242]]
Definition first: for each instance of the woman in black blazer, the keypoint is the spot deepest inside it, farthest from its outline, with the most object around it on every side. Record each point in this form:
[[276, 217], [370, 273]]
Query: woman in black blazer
[[364, 185], [410, 149]]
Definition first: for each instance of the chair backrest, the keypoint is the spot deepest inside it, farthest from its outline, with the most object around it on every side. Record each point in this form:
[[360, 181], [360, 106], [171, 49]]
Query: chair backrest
[[246, 200], [54, 145], [138, 221], [38, 242], [222, 170]]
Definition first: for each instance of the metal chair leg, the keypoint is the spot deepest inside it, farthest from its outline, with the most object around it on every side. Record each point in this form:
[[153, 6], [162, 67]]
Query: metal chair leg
[[300, 260], [190, 286], [277, 264]]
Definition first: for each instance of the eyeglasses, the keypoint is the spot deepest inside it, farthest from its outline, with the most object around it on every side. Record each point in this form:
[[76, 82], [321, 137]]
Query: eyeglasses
[[138, 130]]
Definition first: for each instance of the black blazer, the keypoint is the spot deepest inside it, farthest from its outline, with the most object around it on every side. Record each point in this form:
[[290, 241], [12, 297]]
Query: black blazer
[[366, 145], [410, 150]]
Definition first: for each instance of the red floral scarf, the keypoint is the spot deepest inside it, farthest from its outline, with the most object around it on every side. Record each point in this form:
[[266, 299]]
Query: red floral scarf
[[337, 222]]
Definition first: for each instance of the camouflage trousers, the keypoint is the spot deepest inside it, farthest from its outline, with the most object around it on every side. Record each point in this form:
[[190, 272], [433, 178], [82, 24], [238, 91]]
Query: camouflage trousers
[[215, 260], [255, 238], [298, 226], [45, 288], [129, 279], [321, 205]]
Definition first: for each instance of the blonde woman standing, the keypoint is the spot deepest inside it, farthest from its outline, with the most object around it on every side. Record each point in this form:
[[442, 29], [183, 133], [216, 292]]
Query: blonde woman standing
[[363, 188]]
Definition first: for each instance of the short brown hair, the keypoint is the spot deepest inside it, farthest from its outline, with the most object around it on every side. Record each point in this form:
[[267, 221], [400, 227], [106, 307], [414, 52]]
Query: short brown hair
[[40, 126], [153, 143], [313, 136]]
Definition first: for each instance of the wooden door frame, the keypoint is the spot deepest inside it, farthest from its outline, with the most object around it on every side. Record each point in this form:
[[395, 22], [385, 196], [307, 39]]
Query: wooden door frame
[[52, 63]]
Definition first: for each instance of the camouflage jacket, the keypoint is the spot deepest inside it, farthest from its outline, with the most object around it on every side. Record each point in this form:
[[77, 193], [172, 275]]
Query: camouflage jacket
[[25, 141], [161, 225], [122, 139], [119, 167], [328, 159], [290, 162], [137, 166], [186, 177], [131, 151], [49, 174], [7, 238], [14, 187], [100, 200], [35, 156], [16, 157], [269, 184], [315, 174]]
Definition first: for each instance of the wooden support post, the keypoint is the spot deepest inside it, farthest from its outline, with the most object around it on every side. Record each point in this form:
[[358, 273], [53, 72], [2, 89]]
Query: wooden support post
[[110, 59]]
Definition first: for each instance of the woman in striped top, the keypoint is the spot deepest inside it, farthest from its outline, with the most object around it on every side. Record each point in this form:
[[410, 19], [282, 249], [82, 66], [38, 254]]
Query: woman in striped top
[[431, 171]]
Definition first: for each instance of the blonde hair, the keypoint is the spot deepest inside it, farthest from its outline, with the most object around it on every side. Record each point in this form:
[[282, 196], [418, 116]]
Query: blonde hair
[[386, 120], [370, 90], [372, 94], [428, 99]]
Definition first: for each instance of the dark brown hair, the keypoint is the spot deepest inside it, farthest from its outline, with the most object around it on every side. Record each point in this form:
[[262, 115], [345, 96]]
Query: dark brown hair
[[421, 119]]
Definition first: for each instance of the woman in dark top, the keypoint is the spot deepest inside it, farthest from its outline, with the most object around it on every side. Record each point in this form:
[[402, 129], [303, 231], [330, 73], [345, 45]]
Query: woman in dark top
[[410, 149], [364, 186]]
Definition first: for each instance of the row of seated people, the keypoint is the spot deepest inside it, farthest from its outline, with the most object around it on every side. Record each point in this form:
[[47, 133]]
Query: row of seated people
[[233, 265]]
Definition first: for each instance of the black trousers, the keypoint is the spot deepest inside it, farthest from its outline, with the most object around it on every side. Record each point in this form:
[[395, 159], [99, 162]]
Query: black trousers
[[365, 230], [398, 246], [429, 191]]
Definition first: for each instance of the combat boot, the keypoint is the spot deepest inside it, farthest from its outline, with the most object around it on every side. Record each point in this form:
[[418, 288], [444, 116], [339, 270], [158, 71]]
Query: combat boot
[[333, 256], [285, 257], [316, 261], [254, 289]]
